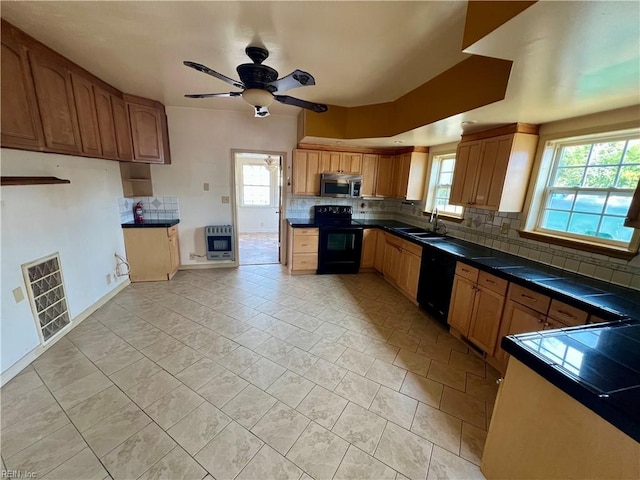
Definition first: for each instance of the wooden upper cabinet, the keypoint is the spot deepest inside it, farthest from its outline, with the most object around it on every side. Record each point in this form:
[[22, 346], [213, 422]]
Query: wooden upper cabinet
[[87, 117], [464, 172], [330, 161], [633, 215], [54, 94], [20, 123], [122, 128], [493, 173], [369, 174], [384, 181], [351, 163], [306, 172], [148, 130], [410, 176], [106, 126]]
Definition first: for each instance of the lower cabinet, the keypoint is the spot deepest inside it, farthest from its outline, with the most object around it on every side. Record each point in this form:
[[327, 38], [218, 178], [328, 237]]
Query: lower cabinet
[[369, 240], [399, 263], [477, 301], [152, 253], [302, 250]]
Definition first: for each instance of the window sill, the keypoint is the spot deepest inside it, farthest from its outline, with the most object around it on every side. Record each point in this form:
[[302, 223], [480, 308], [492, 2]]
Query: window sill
[[578, 245], [442, 216]]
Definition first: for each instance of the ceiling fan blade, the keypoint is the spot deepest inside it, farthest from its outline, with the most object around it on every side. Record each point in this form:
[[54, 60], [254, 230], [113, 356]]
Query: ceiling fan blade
[[213, 73], [295, 79], [209, 95], [262, 112], [287, 100]]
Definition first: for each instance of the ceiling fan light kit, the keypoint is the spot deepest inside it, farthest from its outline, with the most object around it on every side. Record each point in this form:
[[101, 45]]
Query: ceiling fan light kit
[[259, 84]]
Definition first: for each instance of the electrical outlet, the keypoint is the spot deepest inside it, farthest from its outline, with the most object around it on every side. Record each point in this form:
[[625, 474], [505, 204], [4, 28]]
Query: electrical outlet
[[193, 256], [108, 279], [504, 229], [468, 222], [206, 186], [18, 294], [224, 199], [490, 217]]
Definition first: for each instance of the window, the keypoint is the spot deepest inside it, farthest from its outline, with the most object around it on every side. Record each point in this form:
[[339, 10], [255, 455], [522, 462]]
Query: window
[[589, 189], [440, 186], [256, 185]]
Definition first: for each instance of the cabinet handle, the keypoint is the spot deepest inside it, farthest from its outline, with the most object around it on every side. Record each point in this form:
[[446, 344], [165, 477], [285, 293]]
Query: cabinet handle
[[566, 314], [489, 281], [546, 324], [540, 320], [499, 381], [529, 297], [465, 270]]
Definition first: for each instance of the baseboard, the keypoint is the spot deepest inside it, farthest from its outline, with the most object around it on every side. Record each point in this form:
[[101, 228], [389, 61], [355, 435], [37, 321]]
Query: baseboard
[[24, 362], [199, 266]]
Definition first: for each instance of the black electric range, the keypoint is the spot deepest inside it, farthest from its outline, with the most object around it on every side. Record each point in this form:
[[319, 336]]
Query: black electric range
[[340, 239]]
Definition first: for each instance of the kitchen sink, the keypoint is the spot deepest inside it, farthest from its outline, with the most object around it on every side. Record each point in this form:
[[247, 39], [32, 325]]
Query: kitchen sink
[[411, 230], [427, 234]]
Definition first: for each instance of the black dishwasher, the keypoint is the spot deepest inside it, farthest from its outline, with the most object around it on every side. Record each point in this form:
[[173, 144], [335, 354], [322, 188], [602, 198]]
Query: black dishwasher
[[436, 281]]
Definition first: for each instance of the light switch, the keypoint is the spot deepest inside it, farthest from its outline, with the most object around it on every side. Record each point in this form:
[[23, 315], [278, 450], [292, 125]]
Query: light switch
[[225, 199], [206, 186], [18, 294]]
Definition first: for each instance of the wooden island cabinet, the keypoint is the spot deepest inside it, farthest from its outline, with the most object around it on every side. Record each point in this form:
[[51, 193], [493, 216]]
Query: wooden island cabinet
[[152, 253]]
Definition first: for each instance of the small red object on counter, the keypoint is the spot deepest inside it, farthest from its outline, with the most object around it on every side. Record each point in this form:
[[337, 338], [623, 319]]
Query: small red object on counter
[[138, 213]]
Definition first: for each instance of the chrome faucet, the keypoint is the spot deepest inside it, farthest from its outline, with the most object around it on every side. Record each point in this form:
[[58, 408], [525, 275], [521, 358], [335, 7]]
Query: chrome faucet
[[434, 220]]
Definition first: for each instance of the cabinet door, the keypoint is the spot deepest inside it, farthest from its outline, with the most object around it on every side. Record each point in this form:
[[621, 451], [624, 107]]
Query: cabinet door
[[392, 260], [369, 240], [380, 248], [401, 175], [384, 181], [517, 319], [55, 103], [20, 122], [87, 116], [146, 133], [106, 127], [369, 175], [464, 173], [351, 163], [306, 173], [122, 128], [461, 306], [492, 171], [409, 273], [174, 254], [330, 162], [485, 319]]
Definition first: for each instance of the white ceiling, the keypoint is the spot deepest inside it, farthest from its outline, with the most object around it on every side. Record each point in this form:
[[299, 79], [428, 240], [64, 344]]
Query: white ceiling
[[570, 58]]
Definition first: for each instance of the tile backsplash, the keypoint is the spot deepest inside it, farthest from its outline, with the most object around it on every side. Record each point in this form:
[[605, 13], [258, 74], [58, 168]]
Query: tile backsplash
[[154, 208], [485, 228]]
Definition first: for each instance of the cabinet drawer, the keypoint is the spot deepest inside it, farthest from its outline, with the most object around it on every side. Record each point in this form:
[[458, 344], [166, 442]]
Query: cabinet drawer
[[303, 232], [305, 244], [529, 298], [465, 271], [493, 283], [567, 314], [305, 261], [413, 248], [172, 231]]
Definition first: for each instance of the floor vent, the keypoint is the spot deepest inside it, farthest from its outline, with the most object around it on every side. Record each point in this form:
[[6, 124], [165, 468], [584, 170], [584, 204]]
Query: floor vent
[[45, 286]]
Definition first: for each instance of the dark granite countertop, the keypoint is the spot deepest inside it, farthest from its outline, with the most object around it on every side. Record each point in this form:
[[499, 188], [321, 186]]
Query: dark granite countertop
[[301, 222], [152, 224], [598, 365], [608, 301]]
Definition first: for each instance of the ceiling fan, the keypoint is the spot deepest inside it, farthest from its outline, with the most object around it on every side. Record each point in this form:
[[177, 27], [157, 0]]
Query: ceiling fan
[[259, 84]]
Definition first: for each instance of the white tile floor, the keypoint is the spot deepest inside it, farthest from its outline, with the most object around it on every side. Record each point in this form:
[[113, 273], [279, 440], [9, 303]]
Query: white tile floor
[[250, 373], [258, 248]]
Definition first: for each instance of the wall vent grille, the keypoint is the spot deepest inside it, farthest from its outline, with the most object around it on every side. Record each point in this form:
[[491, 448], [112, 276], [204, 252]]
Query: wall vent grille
[[45, 286]]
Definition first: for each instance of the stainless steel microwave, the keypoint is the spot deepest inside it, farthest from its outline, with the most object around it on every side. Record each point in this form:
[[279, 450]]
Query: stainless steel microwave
[[340, 185]]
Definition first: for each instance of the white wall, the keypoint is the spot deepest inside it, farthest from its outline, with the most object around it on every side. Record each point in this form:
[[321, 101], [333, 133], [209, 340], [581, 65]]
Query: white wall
[[201, 143], [79, 220]]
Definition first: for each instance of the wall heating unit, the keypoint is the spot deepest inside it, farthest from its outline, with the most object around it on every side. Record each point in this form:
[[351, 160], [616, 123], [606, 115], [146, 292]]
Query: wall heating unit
[[219, 242]]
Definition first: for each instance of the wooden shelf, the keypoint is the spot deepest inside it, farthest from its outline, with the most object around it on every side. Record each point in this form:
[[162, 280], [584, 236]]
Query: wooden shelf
[[5, 181]]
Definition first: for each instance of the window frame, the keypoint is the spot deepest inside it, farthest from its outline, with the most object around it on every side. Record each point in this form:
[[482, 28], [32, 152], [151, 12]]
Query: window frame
[[540, 191], [242, 184], [432, 185]]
